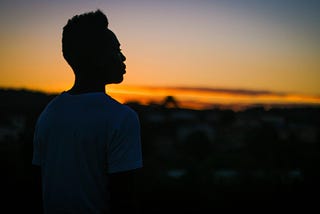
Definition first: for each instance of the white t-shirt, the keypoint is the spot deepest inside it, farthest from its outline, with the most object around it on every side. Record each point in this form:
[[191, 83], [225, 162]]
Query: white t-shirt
[[78, 140]]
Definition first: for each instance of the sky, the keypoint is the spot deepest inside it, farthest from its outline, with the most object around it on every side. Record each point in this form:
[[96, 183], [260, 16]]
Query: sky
[[202, 47]]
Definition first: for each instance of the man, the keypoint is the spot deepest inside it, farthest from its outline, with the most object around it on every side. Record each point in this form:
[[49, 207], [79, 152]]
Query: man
[[86, 143]]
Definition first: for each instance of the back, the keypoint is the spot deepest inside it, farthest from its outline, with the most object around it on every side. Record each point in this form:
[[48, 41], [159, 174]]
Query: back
[[78, 140]]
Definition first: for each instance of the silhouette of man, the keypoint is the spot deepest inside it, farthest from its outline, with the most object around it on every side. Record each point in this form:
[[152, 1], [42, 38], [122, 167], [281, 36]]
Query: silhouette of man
[[85, 142]]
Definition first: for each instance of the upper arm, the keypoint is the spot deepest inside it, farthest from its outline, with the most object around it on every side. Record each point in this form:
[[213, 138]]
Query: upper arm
[[124, 151]]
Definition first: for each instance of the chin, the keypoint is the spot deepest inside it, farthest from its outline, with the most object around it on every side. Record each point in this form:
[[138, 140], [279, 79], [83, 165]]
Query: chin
[[116, 81]]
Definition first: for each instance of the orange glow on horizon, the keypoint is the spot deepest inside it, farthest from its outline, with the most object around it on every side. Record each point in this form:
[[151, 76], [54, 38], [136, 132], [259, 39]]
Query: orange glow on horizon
[[200, 98]]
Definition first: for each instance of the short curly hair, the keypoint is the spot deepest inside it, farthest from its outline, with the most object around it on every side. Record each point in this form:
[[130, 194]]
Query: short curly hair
[[83, 38]]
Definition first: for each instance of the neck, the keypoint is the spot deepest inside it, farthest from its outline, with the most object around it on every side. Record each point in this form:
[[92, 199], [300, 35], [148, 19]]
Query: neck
[[86, 85]]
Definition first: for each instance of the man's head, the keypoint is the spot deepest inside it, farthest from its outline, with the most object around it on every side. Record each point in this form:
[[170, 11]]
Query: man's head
[[91, 49]]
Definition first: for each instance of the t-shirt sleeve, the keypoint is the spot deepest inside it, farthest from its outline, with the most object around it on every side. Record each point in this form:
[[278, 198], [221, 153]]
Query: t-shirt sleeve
[[124, 152], [36, 148]]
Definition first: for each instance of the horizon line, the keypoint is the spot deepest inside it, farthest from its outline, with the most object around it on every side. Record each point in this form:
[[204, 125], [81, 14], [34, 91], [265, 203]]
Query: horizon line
[[222, 90], [200, 97]]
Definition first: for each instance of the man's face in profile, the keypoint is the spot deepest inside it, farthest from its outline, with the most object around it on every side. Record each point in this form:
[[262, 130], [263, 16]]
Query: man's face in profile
[[112, 61]]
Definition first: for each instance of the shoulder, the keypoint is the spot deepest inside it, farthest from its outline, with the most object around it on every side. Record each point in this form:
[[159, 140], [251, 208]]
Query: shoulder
[[122, 109], [55, 101], [51, 104]]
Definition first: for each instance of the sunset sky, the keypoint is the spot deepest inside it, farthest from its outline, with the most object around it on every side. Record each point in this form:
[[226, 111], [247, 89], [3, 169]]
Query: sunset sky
[[227, 51]]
